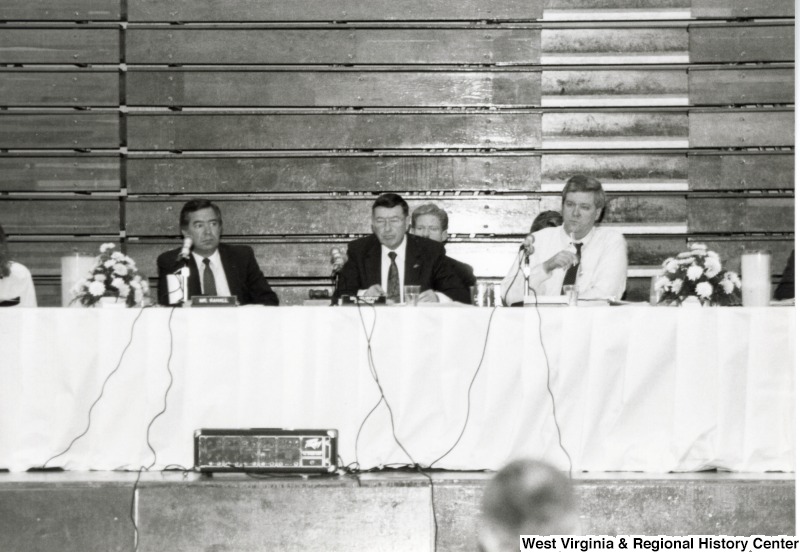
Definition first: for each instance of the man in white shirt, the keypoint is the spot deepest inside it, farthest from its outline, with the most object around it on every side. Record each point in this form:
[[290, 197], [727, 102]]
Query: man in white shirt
[[386, 260], [593, 258]]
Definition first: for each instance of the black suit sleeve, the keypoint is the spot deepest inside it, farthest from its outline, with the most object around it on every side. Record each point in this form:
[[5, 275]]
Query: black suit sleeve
[[256, 288], [348, 280], [785, 289], [445, 280], [166, 265]]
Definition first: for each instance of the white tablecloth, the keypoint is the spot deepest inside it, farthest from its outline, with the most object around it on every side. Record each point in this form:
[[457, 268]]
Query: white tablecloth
[[635, 388]]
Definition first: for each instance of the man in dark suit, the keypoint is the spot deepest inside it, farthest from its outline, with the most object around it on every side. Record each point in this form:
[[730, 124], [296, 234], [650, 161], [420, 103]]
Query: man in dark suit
[[430, 221], [214, 268], [382, 263]]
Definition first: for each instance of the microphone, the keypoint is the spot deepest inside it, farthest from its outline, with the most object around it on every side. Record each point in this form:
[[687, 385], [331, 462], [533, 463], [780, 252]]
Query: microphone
[[527, 245], [338, 258], [187, 246]]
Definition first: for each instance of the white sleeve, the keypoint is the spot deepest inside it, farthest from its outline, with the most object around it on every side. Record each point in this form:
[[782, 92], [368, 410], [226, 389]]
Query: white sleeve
[[513, 286], [27, 294], [611, 275]]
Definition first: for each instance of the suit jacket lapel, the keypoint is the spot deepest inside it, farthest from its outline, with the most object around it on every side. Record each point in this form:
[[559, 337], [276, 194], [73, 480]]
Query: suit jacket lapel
[[372, 263], [229, 266], [194, 278], [413, 261]]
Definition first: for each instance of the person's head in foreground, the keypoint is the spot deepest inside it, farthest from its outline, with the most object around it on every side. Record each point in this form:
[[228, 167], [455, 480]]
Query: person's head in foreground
[[526, 497]]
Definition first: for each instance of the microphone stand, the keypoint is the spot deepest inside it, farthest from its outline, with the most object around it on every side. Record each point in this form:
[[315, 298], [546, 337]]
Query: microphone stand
[[526, 272]]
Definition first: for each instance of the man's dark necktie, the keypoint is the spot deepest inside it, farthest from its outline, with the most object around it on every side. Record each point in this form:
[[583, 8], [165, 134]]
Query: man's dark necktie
[[393, 283], [209, 283], [572, 272]]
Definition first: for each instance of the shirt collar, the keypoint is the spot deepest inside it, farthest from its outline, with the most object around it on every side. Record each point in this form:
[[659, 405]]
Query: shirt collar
[[584, 240], [400, 249], [215, 259]]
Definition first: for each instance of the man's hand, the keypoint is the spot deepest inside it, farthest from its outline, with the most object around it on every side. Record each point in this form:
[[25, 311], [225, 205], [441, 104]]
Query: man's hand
[[428, 296], [562, 259], [374, 291], [527, 244]]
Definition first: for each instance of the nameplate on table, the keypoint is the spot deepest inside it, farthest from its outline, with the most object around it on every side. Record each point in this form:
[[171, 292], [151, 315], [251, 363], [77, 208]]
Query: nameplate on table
[[214, 301]]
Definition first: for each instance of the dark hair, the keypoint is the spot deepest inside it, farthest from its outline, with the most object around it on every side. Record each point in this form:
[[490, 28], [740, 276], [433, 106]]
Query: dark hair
[[5, 261], [430, 209], [545, 219], [389, 201], [582, 183], [196, 205]]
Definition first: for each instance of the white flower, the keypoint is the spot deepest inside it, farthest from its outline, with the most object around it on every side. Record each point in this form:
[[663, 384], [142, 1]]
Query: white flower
[[97, 289], [694, 272], [117, 256], [99, 277], [124, 290], [727, 286], [677, 284], [117, 283], [670, 265], [704, 290], [733, 277], [109, 263], [105, 247], [713, 266], [685, 255], [136, 285], [121, 269], [697, 246]]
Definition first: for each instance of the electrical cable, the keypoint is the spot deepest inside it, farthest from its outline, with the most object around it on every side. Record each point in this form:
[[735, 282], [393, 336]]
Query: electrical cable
[[549, 389], [374, 373], [147, 436], [102, 391], [469, 389]]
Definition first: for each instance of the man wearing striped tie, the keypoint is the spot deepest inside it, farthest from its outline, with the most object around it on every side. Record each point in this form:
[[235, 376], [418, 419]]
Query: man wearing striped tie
[[214, 268], [579, 252], [388, 259]]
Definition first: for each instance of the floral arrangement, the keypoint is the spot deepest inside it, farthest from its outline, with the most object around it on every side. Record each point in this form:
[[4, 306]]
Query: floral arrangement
[[114, 275], [698, 273]]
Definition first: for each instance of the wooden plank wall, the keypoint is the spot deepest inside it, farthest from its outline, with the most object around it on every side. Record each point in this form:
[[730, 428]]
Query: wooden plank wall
[[293, 115]]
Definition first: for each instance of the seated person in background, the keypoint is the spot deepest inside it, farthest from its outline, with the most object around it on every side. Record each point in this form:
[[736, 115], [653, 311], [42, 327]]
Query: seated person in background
[[386, 260], [430, 221], [546, 219], [526, 497], [16, 283], [577, 252], [785, 289], [226, 269]]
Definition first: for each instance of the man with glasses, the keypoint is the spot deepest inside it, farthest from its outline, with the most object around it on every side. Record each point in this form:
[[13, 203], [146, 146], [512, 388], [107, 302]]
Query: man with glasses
[[388, 259]]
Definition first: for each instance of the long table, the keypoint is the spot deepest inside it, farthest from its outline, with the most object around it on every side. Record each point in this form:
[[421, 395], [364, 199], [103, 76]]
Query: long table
[[650, 389]]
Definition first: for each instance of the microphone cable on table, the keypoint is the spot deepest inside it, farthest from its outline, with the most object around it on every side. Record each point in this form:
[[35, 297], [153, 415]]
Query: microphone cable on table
[[469, 389], [549, 389], [374, 374], [134, 495], [102, 391]]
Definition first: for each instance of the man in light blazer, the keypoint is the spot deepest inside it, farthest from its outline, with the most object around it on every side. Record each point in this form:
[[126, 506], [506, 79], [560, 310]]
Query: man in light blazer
[[388, 259], [214, 268]]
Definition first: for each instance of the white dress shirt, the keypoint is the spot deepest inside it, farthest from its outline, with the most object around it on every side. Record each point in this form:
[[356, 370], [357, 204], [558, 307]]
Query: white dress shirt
[[602, 273], [18, 284], [215, 264]]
